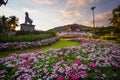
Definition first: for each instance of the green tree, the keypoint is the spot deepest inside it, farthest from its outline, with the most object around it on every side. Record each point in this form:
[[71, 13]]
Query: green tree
[[3, 24], [115, 20]]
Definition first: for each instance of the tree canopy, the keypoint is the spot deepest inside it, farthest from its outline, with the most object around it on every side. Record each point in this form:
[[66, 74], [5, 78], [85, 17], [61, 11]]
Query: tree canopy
[[115, 20], [8, 23]]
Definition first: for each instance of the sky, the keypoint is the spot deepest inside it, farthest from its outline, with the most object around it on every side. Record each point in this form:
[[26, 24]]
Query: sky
[[48, 14]]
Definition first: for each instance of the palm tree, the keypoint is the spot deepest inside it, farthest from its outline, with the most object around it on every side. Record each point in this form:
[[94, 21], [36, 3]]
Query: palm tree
[[8, 24], [115, 20], [13, 22]]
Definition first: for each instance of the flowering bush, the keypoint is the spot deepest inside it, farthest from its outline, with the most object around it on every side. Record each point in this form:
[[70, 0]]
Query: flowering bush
[[24, 45], [93, 60]]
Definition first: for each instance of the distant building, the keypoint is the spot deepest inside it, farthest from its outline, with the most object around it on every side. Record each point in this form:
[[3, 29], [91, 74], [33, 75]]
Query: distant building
[[73, 28], [69, 29]]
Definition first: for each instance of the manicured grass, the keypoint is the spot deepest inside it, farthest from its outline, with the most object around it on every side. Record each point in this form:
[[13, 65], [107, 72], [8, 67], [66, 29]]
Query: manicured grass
[[59, 44]]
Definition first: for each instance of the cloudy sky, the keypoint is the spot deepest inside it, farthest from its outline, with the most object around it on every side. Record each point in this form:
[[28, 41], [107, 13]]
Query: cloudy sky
[[47, 14]]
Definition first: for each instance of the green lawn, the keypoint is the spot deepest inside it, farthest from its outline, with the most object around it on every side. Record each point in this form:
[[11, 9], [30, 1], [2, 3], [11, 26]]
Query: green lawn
[[59, 44]]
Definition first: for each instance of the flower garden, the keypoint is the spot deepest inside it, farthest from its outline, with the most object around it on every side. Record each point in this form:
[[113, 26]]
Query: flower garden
[[26, 44], [92, 60]]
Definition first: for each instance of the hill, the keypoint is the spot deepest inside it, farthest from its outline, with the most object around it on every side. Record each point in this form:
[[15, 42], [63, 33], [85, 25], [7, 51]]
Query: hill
[[72, 26]]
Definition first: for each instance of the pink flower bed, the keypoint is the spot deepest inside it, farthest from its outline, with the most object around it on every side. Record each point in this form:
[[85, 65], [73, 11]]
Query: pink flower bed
[[24, 45], [92, 60]]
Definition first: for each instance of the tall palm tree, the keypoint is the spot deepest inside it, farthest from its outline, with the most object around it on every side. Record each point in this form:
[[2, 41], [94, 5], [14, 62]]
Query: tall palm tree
[[115, 20]]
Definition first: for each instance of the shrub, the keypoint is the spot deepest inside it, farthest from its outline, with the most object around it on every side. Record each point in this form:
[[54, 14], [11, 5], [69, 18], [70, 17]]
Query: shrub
[[109, 37], [28, 37]]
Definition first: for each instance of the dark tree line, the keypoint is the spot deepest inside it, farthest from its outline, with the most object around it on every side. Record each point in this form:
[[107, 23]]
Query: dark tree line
[[8, 24]]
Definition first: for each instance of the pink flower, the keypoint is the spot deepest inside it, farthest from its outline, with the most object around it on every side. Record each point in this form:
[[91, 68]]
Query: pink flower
[[73, 61], [91, 64], [25, 63], [104, 75], [68, 68], [60, 78], [75, 66], [26, 56], [61, 58], [96, 70], [61, 70], [39, 53], [71, 72], [114, 74], [83, 74], [74, 77], [78, 62]]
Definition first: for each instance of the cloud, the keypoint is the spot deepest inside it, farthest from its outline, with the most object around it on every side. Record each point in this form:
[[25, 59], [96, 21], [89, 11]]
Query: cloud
[[100, 19], [80, 2], [45, 1], [30, 10], [70, 14]]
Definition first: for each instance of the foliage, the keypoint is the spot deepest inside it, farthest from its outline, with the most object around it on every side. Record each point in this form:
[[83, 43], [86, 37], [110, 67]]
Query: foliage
[[109, 37], [110, 30], [8, 23], [93, 60], [33, 33], [26, 37], [115, 20]]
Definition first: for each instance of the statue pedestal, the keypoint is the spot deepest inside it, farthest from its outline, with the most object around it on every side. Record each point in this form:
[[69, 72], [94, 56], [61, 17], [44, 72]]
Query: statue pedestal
[[27, 27]]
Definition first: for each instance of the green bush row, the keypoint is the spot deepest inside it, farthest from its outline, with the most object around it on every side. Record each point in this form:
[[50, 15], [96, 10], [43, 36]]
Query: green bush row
[[28, 37], [34, 32], [109, 37]]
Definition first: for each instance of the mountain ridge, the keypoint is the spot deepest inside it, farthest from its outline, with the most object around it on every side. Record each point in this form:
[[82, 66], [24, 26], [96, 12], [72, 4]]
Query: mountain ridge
[[64, 27]]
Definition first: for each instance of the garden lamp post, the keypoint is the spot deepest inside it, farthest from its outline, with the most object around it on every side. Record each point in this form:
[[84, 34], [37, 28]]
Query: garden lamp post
[[12, 27], [92, 8]]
